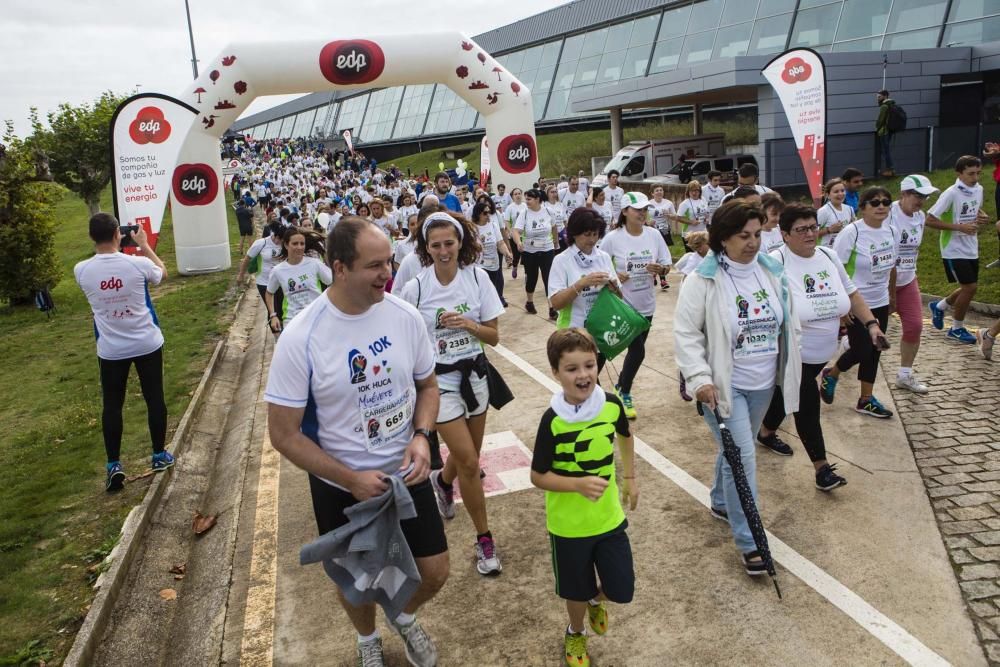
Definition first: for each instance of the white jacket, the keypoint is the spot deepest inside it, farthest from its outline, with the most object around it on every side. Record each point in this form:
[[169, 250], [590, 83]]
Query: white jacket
[[703, 340]]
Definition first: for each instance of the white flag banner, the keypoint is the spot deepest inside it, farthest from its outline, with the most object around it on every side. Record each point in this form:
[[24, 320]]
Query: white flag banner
[[798, 77], [147, 131], [347, 140], [484, 163]]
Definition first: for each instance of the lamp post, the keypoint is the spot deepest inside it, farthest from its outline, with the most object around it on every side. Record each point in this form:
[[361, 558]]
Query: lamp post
[[194, 59]]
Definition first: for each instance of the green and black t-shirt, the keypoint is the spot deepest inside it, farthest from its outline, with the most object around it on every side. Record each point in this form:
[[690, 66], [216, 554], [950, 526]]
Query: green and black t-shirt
[[577, 449]]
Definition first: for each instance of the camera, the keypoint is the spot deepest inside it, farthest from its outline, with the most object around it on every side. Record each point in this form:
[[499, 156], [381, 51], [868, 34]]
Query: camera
[[127, 231]]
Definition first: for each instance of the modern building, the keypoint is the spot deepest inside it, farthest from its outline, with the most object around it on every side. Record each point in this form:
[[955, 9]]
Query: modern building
[[605, 62]]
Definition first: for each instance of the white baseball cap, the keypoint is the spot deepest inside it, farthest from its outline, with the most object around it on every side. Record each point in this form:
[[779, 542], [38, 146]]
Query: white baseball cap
[[635, 200], [917, 183]]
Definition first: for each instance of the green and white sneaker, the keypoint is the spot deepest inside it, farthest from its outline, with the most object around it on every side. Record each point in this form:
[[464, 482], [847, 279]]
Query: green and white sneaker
[[626, 400], [576, 650], [369, 653], [598, 617], [420, 650]]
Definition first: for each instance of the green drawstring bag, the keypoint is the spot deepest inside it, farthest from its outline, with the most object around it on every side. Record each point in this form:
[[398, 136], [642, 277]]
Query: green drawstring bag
[[613, 323], [255, 264]]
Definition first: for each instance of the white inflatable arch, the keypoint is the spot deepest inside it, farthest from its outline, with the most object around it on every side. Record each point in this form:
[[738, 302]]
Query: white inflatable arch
[[245, 71]]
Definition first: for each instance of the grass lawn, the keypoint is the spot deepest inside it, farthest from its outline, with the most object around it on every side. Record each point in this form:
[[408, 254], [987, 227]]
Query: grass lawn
[[568, 152], [57, 520]]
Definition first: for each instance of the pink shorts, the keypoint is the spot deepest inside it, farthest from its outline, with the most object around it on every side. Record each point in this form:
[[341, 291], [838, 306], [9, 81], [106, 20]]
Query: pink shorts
[[910, 309]]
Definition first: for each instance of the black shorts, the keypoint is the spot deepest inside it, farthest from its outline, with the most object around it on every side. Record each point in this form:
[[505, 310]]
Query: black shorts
[[575, 560], [424, 533], [246, 227], [961, 271]]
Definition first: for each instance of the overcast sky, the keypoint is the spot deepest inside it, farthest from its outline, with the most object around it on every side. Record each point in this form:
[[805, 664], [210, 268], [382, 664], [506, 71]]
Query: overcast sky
[[57, 51]]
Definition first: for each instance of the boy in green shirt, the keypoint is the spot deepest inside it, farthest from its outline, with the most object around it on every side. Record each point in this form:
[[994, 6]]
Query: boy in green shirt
[[574, 464]]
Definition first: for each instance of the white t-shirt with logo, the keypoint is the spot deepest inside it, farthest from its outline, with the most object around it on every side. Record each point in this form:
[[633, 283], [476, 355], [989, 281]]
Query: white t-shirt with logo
[[558, 212], [355, 376], [660, 210], [695, 210], [909, 233], [408, 269], [821, 290], [490, 236], [301, 284], [470, 294], [713, 197], [569, 266], [869, 254], [755, 318], [771, 239], [613, 197], [536, 230], [630, 255], [511, 212], [269, 252], [572, 200], [828, 215], [959, 204], [117, 287]]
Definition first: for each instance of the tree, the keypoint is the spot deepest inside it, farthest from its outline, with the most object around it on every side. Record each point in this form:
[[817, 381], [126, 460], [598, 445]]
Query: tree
[[78, 145], [28, 260]]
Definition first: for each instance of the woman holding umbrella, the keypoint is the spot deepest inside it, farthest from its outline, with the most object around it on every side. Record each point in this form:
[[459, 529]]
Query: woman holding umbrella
[[736, 338]]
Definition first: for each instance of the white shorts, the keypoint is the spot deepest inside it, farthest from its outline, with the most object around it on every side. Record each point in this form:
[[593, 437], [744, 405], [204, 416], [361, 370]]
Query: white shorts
[[453, 406]]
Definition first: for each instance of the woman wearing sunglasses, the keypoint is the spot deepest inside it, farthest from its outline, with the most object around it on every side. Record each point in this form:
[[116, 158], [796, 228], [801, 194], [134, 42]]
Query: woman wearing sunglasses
[[868, 248]]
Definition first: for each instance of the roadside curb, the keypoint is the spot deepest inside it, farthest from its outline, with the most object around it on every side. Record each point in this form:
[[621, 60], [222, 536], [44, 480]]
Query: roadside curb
[[984, 309], [124, 552]]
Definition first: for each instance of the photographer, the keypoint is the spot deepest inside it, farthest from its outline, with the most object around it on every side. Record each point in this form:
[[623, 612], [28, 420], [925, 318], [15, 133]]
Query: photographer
[[117, 287]]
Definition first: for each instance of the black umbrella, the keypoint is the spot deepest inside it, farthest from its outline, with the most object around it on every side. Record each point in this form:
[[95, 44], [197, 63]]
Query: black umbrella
[[732, 454]]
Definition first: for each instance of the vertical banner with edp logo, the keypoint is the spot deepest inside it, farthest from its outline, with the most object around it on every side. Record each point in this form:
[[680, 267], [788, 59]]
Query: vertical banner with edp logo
[[484, 163], [798, 77], [147, 131], [347, 140]]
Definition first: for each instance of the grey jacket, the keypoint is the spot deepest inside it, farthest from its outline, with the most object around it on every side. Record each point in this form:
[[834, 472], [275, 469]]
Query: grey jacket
[[368, 557]]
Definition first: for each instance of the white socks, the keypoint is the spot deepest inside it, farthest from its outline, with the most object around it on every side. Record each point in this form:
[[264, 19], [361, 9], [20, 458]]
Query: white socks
[[405, 619], [367, 638], [957, 324], [942, 305], [905, 372], [569, 631]]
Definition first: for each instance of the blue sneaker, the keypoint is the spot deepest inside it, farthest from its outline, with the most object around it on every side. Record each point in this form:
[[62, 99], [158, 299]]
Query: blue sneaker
[[827, 385], [937, 316], [162, 461], [962, 335], [872, 408], [116, 477]]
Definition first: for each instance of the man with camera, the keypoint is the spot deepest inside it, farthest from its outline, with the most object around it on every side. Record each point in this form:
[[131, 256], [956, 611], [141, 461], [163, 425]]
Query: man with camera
[[117, 287]]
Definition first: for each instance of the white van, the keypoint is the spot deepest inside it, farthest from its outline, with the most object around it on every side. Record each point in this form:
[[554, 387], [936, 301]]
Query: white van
[[697, 168], [641, 159]]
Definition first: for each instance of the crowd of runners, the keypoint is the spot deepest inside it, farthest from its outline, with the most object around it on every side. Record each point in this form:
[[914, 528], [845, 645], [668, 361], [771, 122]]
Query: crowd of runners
[[364, 270]]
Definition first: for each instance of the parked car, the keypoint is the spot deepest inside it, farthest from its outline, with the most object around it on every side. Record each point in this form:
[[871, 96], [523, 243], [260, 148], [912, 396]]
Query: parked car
[[697, 167]]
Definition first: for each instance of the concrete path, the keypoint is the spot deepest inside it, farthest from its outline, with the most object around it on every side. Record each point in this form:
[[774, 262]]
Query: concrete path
[[864, 571]]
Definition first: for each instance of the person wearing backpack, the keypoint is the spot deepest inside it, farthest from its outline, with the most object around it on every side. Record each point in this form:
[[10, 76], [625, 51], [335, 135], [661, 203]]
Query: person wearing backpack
[[891, 119]]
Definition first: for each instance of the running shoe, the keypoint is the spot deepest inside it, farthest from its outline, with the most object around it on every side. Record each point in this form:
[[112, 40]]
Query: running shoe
[[116, 477], [912, 383], [445, 497], [553, 314], [369, 653], [995, 264], [513, 272], [420, 650], [530, 307], [720, 514], [962, 335], [827, 479], [775, 444], [664, 286], [162, 461], [827, 386], [487, 559], [984, 341], [684, 388], [598, 617], [626, 400], [937, 315], [871, 407], [576, 650], [754, 568]]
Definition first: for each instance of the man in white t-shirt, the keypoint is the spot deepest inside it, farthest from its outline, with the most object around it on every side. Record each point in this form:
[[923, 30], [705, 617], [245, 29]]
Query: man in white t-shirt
[[713, 193], [572, 198], [352, 397], [128, 332], [613, 195], [584, 183]]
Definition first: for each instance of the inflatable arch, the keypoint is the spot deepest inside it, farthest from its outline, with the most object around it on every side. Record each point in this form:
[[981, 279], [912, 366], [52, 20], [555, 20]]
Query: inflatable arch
[[244, 71]]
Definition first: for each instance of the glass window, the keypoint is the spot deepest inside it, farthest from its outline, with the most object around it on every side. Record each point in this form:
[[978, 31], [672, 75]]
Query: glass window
[[352, 112], [666, 55], [732, 41], [586, 71], [675, 22], [697, 48], [815, 26], [972, 9], [514, 61], [550, 53], [772, 7], [870, 44], [532, 57], [769, 35], [724, 164], [449, 112], [635, 166], [572, 48], [611, 67], [593, 43], [916, 39], [705, 15], [557, 104], [413, 111], [326, 117], [644, 30], [635, 62], [972, 32], [737, 11], [618, 36], [805, 4], [916, 14], [863, 18]]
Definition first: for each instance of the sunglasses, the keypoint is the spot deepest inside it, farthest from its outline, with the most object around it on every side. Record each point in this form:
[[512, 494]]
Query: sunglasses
[[879, 202]]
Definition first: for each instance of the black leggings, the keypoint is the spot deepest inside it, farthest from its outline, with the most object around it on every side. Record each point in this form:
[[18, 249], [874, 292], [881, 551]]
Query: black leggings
[[114, 377], [279, 298], [862, 351], [633, 360], [533, 261], [496, 277], [807, 418], [515, 253]]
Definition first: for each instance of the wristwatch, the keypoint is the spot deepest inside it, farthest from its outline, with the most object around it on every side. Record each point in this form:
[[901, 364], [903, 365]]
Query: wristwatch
[[424, 432]]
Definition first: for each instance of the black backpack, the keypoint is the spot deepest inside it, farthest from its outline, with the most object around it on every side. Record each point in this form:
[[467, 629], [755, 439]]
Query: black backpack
[[44, 302], [896, 121]]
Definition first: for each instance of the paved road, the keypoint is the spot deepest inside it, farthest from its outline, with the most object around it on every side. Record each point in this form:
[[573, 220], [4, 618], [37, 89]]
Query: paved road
[[865, 573]]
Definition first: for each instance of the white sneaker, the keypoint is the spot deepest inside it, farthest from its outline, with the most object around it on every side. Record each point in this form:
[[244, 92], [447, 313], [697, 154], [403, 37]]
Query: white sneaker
[[984, 343], [487, 559], [445, 499], [912, 383]]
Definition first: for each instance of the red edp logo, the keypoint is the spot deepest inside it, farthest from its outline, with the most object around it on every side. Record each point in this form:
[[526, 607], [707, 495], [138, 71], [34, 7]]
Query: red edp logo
[[348, 62], [796, 70], [195, 184], [149, 127], [112, 283], [517, 153]]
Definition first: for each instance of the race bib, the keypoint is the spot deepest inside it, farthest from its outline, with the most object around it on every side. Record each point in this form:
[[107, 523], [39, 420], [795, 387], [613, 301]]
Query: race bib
[[883, 261], [455, 344], [384, 422], [637, 274], [757, 338], [907, 263]]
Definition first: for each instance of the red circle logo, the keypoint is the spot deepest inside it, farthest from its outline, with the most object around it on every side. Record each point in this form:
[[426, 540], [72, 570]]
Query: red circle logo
[[350, 62], [517, 153], [796, 70], [149, 127], [195, 184]]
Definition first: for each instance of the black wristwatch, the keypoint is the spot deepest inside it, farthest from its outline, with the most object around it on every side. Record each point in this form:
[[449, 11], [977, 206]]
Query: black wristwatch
[[869, 323], [424, 432]]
